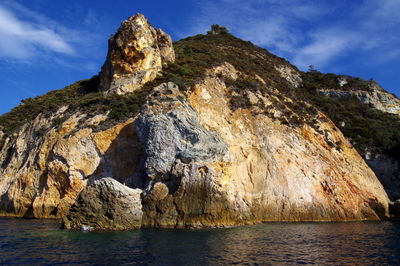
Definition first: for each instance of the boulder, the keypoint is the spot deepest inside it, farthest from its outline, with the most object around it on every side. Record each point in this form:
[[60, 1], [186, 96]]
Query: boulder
[[106, 205]]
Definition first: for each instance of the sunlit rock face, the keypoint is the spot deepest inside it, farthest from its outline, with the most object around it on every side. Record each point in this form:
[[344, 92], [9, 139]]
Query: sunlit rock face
[[136, 53], [385, 166], [267, 172]]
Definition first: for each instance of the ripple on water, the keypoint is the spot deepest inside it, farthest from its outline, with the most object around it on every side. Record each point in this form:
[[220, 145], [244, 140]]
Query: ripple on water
[[42, 242]]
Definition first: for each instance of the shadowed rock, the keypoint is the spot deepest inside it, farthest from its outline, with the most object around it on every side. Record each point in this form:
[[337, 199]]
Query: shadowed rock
[[107, 205]]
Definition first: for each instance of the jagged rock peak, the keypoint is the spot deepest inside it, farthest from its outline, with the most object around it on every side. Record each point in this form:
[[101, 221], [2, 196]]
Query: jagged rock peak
[[136, 53]]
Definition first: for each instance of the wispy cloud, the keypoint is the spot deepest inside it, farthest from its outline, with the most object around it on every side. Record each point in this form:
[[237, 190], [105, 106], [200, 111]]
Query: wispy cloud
[[310, 31], [30, 37], [21, 39], [322, 47]]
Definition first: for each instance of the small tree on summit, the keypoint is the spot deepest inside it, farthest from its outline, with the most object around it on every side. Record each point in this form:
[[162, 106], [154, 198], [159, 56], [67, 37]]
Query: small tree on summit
[[312, 69], [217, 29]]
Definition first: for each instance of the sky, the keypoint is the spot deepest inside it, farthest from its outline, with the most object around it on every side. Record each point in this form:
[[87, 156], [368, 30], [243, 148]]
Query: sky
[[46, 45]]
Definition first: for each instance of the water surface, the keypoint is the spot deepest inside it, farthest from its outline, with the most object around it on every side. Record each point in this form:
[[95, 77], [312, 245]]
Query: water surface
[[42, 242]]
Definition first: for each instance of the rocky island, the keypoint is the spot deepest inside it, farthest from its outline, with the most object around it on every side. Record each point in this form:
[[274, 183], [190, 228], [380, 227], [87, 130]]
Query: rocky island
[[209, 131]]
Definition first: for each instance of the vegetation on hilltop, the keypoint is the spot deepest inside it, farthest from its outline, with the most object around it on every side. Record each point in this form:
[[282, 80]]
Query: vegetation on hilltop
[[82, 95], [217, 29], [368, 129], [316, 80], [79, 93]]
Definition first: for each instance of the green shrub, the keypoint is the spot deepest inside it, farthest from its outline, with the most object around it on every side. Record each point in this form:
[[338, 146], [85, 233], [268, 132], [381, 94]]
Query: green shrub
[[217, 29]]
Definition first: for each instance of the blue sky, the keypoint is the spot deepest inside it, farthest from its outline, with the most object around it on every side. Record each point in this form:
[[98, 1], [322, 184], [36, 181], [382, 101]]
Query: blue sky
[[46, 44]]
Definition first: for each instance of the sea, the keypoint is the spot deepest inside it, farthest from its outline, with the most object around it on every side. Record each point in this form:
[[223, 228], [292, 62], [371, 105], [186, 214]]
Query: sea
[[43, 242]]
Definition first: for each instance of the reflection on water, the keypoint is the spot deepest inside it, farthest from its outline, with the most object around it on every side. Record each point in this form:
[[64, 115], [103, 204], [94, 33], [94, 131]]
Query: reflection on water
[[42, 242]]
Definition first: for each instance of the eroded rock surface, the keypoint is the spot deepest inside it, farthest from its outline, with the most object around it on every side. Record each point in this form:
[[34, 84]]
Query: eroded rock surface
[[136, 53], [290, 74], [198, 163], [386, 166], [271, 172], [41, 176], [106, 205], [376, 96], [169, 129]]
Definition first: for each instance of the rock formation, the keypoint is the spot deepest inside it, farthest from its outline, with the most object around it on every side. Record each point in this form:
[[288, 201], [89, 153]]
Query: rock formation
[[107, 205], [228, 148], [368, 116], [202, 169], [375, 96], [136, 53], [169, 130]]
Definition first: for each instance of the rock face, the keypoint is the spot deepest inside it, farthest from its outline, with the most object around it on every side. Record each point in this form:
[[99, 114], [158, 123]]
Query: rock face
[[188, 158], [388, 171], [108, 205], [290, 74], [385, 166], [169, 130], [205, 165], [136, 53], [271, 172], [376, 96]]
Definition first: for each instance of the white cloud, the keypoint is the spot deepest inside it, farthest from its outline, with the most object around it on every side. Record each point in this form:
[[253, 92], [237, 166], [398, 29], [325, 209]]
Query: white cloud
[[310, 31], [323, 48], [268, 23], [22, 39], [386, 12]]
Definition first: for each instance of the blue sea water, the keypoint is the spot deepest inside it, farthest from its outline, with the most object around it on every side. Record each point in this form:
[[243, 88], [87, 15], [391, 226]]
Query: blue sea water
[[363, 243]]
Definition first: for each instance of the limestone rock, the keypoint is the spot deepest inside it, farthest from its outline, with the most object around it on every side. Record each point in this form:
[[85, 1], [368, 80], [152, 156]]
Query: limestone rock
[[196, 163], [290, 74], [269, 172], [385, 167], [136, 53], [107, 205], [376, 96], [169, 129], [41, 177]]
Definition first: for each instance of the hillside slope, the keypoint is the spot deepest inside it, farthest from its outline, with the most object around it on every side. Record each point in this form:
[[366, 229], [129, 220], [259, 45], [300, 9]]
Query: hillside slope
[[223, 133], [367, 115]]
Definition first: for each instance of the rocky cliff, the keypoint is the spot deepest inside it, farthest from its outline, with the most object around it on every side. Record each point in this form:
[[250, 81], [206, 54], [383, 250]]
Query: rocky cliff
[[367, 115], [218, 137], [369, 93]]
